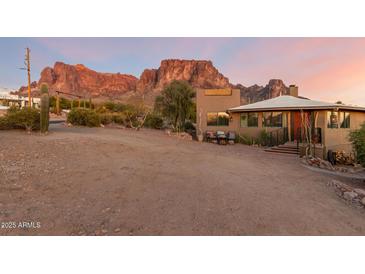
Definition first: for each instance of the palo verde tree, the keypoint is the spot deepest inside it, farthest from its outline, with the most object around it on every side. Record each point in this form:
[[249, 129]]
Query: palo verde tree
[[176, 103]]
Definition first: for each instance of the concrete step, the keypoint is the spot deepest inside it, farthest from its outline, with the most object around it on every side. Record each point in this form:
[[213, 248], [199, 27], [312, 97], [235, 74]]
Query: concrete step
[[285, 149], [282, 151]]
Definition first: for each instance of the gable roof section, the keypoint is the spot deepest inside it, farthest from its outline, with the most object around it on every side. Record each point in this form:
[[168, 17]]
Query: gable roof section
[[287, 102]]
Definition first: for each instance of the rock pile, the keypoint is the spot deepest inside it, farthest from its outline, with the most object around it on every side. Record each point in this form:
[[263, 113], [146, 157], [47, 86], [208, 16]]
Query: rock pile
[[320, 163], [344, 158], [355, 196], [180, 135], [317, 162]]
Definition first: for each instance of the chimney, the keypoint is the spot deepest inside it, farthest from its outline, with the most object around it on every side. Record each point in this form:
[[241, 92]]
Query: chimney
[[293, 90]]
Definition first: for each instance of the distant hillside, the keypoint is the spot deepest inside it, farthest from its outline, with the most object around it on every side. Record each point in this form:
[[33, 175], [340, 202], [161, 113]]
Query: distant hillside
[[80, 80]]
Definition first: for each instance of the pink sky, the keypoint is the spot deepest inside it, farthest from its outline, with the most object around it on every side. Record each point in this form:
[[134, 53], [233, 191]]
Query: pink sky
[[327, 69]]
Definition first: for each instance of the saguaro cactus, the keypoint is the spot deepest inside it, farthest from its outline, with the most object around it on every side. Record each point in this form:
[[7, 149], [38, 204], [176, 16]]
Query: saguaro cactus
[[44, 108]]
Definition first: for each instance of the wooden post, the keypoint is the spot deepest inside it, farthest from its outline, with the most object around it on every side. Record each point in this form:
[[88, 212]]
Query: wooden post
[[289, 126], [79, 103]]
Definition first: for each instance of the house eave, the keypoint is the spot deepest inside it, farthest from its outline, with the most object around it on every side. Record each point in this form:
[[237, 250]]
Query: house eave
[[297, 109]]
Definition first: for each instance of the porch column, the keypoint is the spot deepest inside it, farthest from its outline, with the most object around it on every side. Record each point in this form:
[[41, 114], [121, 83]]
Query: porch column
[[289, 126]]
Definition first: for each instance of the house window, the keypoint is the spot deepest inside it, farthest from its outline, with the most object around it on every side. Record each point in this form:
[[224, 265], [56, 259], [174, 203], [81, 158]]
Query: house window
[[217, 119], [212, 118], [249, 119], [338, 119], [344, 119], [272, 119]]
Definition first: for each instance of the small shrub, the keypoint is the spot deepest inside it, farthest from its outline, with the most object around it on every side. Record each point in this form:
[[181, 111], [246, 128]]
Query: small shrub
[[4, 123], [153, 121], [106, 118], [357, 138], [120, 118], [263, 138], [246, 140], [26, 118], [115, 107], [188, 126], [83, 117]]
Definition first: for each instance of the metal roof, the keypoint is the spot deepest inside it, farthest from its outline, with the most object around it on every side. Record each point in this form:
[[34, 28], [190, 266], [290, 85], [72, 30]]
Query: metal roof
[[287, 102]]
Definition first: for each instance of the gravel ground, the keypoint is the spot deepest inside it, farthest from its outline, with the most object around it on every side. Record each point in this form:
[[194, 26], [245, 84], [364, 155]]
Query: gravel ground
[[99, 181]]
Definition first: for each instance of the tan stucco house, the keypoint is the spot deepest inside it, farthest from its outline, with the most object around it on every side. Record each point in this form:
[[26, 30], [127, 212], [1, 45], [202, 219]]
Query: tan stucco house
[[281, 117]]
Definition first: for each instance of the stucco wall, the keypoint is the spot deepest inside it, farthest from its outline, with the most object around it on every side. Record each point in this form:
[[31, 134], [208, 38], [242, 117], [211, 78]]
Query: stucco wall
[[337, 138], [210, 103]]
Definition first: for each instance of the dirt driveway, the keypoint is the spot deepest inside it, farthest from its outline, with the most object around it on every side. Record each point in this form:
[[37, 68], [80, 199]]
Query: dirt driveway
[[81, 181]]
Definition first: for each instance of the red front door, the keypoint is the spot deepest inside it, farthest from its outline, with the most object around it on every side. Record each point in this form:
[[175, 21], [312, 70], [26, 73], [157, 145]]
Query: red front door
[[297, 123]]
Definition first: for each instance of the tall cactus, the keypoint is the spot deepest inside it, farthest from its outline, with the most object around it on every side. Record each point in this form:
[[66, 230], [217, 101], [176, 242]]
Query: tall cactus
[[44, 108]]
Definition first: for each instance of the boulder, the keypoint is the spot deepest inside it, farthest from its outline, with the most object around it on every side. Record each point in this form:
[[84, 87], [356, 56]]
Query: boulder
[[360, 191], [350, 195]]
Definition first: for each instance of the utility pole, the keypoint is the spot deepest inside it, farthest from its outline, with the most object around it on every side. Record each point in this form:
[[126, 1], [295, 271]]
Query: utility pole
[[27, 60], [27, 68]]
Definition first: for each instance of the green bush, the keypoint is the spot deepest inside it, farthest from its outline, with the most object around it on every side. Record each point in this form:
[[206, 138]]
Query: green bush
[[26, 118], [83, 117], [115, 107], [263, 138], [357, 138], [119, 118], [188, 126], [106, 118], [4, 123], [153, 121], [246, 140]]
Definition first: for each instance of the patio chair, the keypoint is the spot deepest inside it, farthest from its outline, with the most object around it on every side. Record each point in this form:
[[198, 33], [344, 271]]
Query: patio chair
[[221, 137], [231, 137], [210, 136]]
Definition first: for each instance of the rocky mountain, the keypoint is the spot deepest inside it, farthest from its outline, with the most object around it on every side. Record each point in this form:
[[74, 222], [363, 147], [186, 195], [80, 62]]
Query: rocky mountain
[[80, 80], [255, 93], [200, 74]]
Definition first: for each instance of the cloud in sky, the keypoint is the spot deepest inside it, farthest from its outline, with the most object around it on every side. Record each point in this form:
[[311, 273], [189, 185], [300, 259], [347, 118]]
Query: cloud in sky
[[324, 68]]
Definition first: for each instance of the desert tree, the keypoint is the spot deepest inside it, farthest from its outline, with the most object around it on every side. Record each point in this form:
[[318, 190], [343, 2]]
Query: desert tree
[[176, 103]]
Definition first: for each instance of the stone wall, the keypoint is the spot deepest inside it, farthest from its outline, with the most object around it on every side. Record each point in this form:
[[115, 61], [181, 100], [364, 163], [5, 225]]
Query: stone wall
[[354, 196]]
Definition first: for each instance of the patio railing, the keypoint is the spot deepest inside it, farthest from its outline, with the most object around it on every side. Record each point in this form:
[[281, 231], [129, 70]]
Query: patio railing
[[278, 137]]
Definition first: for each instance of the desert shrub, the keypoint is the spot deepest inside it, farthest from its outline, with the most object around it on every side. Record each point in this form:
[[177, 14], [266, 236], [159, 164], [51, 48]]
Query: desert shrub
[[357, 138], [13, 109], [83, 117], [115, 107], [188, 126], [4, 123], [263, 138], [26, 118], [153, 120], [106, 118], [245, 139], [119, 118]]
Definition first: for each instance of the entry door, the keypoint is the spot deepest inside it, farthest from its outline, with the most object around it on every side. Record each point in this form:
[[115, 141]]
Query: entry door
[[296, 124]]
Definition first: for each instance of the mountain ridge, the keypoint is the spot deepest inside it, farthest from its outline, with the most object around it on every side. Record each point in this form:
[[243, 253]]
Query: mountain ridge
[[83, 81]]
